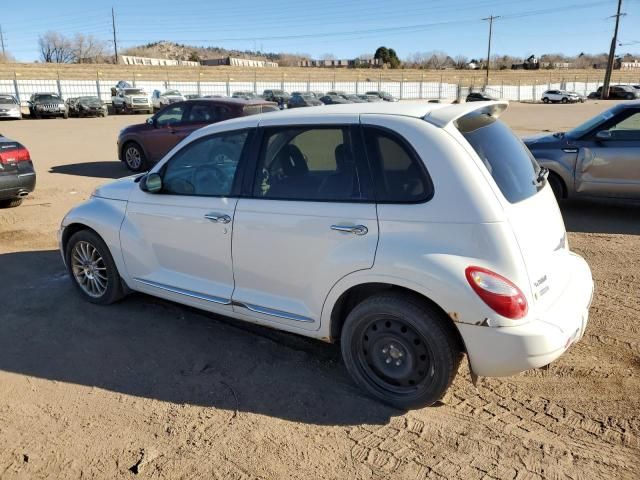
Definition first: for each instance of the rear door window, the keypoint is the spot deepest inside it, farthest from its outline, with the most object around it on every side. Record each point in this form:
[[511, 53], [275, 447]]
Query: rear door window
[[508, 160], [399, 175]]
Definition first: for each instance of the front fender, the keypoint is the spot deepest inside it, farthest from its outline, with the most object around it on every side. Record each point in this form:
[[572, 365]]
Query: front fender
[[104, 216], [565, 172]]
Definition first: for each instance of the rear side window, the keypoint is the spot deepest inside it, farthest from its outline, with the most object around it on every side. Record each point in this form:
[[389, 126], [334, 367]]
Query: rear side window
[[507, 159], [399, 174]]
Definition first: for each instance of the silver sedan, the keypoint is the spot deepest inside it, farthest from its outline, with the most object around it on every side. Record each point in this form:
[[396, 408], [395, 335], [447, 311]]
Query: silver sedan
[[10, 107]]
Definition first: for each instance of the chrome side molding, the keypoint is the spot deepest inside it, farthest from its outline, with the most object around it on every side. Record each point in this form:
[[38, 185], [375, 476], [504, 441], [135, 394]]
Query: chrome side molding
[[186, 293], [273, 313]]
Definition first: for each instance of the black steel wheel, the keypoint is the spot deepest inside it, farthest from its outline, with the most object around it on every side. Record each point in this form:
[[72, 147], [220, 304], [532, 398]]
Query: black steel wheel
[[400, 350]]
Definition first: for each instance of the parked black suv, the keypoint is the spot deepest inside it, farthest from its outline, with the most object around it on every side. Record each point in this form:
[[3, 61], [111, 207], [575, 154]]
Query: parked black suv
[[617, 92], [17, 176], [279, 96], [47, 105]]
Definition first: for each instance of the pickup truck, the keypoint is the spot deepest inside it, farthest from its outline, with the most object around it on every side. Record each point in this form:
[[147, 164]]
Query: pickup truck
[[130, 100]]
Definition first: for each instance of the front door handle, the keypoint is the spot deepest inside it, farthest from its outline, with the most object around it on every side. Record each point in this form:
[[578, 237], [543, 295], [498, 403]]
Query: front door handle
[[216, 217], [355, 229]]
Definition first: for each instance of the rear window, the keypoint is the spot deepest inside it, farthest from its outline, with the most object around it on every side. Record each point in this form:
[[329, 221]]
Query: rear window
[[508, 160]]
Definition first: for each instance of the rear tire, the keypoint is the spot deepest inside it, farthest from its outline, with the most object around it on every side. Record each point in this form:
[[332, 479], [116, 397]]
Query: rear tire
[[545, 100], [133, 157], [557, 185], [11, 203], [400, 350], [92, 269]]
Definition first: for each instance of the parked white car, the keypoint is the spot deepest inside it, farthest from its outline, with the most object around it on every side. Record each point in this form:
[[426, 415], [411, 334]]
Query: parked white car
[[162, 99], [561, 96], [410, 232], [130, 100]]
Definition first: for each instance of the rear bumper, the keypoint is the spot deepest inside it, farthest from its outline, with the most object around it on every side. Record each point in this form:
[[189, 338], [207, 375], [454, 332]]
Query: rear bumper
[[502, 351], [12, 185]]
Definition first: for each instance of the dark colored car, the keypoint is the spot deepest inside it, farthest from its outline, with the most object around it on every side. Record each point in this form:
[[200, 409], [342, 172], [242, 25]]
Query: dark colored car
[[334, 100], [303, 100], [353, 98], [247, 95], [479, 97], [600, 158], [86, 107], [279, 96], [47, 105], [387, 97], [618, 92], [17, 176], [369, 98], [142, 145]]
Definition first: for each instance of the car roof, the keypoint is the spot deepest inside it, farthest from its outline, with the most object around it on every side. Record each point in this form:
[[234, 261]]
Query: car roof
[[439, 114], [232, 101]]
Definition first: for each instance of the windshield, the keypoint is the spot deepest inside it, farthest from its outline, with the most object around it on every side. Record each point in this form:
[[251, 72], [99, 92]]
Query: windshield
[[590, 124], [48, 98], [88, 99], [133, 91], [509, 162], [7, 99], [278, 92], [171, 92], [308, 96]]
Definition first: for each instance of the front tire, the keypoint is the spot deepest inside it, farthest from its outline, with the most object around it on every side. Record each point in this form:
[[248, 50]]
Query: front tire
[[400, 350], [557, 186], [564, 100], [92, 269], [134, 158]]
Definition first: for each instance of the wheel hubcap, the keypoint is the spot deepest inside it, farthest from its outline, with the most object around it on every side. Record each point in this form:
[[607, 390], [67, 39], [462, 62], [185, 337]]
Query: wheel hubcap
[[132, 156], [394, 355], [89, 269]]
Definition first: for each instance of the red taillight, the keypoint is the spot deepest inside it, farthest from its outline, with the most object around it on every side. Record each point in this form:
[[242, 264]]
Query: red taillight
[[496, 291], [19, 154]]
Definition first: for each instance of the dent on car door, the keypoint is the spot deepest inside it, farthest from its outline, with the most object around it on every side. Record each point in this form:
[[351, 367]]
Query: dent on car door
[[611, 166], [310, 221], [177, 242]]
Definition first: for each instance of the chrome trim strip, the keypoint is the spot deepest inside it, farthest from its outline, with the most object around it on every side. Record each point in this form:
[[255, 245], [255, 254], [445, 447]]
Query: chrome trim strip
[[186, 293], [274, 313]]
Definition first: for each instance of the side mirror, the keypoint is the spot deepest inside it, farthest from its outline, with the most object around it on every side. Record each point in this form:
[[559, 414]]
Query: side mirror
[[151, 183], [603, 135], [151, 121]]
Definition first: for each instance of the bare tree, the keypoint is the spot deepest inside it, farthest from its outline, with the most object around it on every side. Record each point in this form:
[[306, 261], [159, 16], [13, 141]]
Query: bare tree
[[460, 62], [87, 48], [55, 48], [327, 56]]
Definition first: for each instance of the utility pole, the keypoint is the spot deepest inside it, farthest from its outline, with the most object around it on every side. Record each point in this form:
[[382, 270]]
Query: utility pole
[[612, 54], [491, 18], [113, 24], [2, 41]]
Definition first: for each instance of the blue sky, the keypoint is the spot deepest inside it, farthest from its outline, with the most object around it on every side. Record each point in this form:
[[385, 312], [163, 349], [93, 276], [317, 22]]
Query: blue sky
[[343, 28]]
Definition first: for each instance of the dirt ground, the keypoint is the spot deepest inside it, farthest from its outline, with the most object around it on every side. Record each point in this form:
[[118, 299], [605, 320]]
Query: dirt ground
[[150, 389]]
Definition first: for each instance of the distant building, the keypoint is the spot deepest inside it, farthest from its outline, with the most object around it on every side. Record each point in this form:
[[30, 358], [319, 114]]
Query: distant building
[[556, 65], [239, 62], [334, 63], [632, 65], [531, 63], [131, 60]]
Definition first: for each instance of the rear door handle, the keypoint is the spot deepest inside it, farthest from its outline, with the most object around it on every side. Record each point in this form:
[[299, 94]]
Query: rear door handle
[[216, 217], [355, 229]]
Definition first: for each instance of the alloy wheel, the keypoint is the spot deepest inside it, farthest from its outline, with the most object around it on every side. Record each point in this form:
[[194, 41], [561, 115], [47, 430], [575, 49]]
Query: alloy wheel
[[89, 269], [133, 157]]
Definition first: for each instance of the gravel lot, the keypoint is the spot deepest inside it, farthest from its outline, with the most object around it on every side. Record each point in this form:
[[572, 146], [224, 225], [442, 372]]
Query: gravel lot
[[152, 389]]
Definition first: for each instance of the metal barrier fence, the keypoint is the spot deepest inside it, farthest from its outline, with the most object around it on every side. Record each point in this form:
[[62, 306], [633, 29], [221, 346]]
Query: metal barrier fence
[[402, 89]]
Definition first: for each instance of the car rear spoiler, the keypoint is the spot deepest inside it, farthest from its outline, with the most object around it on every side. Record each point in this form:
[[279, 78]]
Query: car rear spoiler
[[443, 116]]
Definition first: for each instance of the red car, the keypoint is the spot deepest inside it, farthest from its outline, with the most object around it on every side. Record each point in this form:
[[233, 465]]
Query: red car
[[142, 145]]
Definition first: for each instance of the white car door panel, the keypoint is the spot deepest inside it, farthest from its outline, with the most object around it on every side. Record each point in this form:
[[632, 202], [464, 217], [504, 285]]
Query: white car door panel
[[177, 242], [311, 221]]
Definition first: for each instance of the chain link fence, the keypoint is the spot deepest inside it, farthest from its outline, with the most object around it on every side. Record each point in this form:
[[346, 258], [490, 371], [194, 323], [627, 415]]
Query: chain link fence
[[427, 87]]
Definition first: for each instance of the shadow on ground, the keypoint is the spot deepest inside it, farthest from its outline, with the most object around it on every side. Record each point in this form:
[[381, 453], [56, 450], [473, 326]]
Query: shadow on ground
[[150, 348], [108, 169], [602, 216]]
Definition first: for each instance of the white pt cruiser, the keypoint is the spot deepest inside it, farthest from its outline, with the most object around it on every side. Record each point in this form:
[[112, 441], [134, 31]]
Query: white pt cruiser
[[411, 233]]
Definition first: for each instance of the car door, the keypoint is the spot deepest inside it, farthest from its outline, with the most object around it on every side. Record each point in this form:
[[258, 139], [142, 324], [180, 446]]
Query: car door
[[177, 242], [309, 220], [168, 130], [609, 162]]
